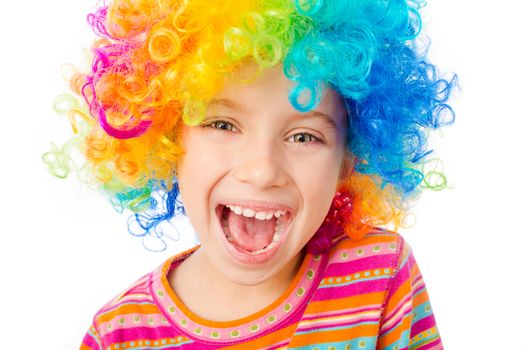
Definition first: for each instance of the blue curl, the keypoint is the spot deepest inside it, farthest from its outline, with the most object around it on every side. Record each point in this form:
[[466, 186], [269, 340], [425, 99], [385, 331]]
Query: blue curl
[[148, 224], [366, 51]]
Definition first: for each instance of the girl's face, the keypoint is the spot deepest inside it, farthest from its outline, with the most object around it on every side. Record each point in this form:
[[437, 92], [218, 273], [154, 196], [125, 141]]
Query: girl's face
[[254, 154]]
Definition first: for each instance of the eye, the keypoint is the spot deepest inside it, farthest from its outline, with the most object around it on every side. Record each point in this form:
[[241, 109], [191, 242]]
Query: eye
[[220, 125], [303, 137]]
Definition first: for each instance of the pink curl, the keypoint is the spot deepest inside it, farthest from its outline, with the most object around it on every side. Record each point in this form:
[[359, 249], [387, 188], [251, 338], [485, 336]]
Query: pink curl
[[105, 57], [96, 21], [101, 61], [138, 130], [333, 225]]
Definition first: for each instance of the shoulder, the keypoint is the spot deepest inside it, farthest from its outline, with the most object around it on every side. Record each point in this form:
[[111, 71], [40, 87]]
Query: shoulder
[[367, 266], [120, 313], [355, 284], [136, 305], [378, 245], [135, 299], [371, 264], [117, 319], [137, 314]]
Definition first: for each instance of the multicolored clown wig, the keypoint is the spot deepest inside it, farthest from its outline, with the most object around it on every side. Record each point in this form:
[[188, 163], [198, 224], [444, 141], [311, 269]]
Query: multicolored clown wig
[[158, 62]]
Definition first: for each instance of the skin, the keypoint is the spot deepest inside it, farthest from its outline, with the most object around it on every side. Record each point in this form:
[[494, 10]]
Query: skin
[[255, 147]]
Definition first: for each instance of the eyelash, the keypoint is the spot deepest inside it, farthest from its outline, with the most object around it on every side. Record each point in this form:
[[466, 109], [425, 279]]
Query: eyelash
[[213, 124], [230, 127]]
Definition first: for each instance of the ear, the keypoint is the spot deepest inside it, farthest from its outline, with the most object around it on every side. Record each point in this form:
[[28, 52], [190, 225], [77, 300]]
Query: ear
[[346, 168]]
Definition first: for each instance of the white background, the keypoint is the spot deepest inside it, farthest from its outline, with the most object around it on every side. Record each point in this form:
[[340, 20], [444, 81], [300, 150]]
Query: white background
[[64, 252]]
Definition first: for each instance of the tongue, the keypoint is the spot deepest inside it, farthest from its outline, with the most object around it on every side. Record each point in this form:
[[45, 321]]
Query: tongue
[[249, 233]]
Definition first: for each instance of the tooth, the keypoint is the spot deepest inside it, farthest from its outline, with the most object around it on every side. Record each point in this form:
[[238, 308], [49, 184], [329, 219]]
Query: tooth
[[260, 216], [248, 213], [279, 213], [237, 210], [269, 216]]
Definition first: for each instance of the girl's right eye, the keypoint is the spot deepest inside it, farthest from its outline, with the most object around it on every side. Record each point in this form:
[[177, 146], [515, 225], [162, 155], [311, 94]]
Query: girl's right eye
[[220, 125]]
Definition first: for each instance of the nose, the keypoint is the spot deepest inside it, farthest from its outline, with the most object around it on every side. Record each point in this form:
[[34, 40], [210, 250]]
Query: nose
[[260, 163]]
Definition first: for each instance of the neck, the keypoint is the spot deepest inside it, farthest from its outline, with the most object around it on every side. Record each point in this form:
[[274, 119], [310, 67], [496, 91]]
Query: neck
[[210, 295]]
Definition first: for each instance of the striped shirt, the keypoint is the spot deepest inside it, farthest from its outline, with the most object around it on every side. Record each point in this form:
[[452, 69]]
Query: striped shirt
[[365, 294]]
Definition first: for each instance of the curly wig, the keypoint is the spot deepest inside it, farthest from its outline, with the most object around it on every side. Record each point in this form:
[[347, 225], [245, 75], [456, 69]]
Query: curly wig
[[157, 63]]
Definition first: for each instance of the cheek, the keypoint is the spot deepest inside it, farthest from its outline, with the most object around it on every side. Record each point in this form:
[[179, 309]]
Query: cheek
[[198, 171], [318, 191], [206, 153], [201, 159], [319, 174]]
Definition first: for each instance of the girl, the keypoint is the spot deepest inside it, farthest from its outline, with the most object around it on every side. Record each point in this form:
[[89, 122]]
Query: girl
[[290, 131]]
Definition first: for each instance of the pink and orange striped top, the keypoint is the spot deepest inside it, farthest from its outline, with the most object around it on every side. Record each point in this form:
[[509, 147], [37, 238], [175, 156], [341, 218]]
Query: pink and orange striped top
[[365, 294]]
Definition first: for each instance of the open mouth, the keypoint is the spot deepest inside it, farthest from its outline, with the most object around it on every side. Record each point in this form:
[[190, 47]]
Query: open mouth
[[253, 232]]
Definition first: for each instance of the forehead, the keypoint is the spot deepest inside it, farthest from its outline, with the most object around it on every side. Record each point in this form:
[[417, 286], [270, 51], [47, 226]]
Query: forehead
[[250, 89]]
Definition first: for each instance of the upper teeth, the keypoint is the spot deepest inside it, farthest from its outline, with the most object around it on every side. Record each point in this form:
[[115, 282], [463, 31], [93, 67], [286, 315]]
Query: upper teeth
[[260, 215]]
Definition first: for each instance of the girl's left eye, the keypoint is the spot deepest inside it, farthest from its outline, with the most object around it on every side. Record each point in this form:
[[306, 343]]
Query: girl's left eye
[[303, 137]]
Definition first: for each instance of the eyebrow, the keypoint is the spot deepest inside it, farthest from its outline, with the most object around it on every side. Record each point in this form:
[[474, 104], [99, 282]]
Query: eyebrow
[[230, 104], [324, 117], [224, 102]]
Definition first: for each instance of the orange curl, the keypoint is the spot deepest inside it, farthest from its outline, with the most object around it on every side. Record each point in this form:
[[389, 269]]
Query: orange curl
[[171, 82], [133, 88], [127, 19], [187, 23], [107, 91], [163, 45], [100, 43], [99, 145], [372, 205], [168, 117], [77, 82], [127, 168]]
